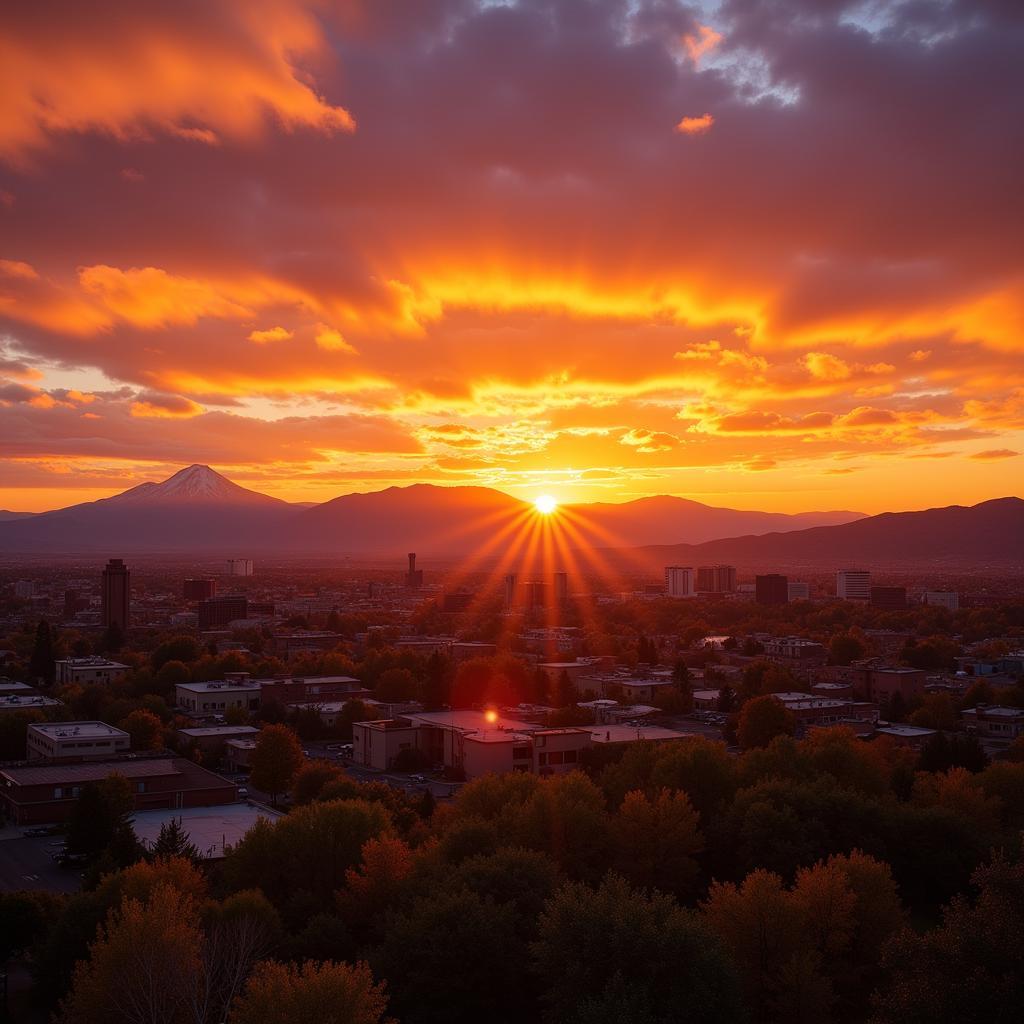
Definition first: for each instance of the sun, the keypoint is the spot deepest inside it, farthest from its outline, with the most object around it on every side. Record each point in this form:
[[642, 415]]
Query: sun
[[545, 504]]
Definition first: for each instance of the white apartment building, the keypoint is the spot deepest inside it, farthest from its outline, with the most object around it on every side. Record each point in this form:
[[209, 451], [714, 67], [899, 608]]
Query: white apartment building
[[853, 585], [680, 581]]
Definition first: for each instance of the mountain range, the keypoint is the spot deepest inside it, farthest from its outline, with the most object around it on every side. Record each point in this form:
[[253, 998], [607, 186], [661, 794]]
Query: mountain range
[[197, 510], [990, 534]]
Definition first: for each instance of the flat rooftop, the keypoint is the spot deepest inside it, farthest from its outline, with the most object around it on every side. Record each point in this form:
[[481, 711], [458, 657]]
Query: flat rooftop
[[14, 701], [78, 730], [11, 687], [210, 829], [219, 730], [904, 730], [467, 720], [93, 661], [219, 685], [631, 733]]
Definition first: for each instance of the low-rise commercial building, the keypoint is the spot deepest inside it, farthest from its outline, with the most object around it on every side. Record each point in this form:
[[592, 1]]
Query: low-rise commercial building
[[216, 697], [38, 795], [994, 722], [75, 741], [478, 742], [85, 671]]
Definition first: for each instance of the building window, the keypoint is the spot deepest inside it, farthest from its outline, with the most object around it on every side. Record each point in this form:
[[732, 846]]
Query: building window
[[140, 787], [570, 757], [542, 759]]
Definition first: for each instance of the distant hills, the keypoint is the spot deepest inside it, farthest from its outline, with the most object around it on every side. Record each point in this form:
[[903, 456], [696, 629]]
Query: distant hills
[[197, 510], [990, 534]]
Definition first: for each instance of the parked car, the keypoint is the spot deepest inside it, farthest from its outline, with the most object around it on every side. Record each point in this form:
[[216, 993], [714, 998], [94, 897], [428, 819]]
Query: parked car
[[34, 833], [421, 779], [243, 792]]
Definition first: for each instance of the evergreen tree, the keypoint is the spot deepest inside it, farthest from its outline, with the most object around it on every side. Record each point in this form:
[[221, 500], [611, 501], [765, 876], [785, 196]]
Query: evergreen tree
[[40, 665], [174, 841]]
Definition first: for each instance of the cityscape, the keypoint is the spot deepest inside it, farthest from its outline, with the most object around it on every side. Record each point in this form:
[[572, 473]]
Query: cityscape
[[510, 510]]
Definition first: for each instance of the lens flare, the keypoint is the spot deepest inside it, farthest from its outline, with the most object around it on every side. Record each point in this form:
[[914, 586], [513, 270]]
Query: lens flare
[[545, 504]]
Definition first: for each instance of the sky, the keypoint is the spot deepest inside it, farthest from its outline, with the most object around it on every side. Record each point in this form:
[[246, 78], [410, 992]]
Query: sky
[[761, 253]]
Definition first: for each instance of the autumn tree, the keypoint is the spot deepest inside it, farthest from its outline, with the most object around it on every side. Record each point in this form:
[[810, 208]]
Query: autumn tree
[[453, 954], [616, 954], [656, 841], [275, 759], [313, 993], [309, 850], [142, 967], [145, 729], [762, 719], [311, 778], [967, 969]]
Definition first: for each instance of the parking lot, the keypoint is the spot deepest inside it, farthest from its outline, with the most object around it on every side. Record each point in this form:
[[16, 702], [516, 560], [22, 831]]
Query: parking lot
[[27, 863]]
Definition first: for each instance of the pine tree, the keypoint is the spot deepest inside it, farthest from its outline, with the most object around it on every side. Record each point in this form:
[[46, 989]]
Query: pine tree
[[174, 841], [40, 665]]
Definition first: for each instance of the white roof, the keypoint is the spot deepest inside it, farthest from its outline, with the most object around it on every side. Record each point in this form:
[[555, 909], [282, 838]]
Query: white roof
[[215, 686], [79, 730], [209, 828]]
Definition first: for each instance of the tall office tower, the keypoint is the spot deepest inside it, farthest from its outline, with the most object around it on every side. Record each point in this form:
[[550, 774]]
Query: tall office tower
[[241, 567], [116, 594], [414, 577], [199, 589], [510, 591], [534, 594], [716, 579], [943, 599], [799, 591], [853, 585], [561, 589], [680, 581], [771, 589]]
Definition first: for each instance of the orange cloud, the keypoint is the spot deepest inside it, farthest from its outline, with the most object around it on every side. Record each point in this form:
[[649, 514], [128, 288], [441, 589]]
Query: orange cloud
[[130, 71], [270, 334], [703, 41], [331, 340], [695, 124], [165, 406]]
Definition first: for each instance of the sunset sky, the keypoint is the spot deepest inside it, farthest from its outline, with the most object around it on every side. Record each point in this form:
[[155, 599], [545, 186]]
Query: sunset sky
[[762, 253]]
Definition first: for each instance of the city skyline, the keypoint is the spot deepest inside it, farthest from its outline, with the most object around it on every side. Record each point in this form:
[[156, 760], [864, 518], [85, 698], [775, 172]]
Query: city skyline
[[765, 257]]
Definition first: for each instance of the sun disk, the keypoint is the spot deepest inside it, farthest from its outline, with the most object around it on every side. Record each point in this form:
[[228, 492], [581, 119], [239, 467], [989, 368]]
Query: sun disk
[[545, 504]]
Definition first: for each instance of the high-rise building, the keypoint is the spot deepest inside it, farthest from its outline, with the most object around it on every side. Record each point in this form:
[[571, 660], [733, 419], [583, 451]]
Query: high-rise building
[[798, 591], [199, 589], [414, 577], [943, 599], [853, 585], [680, 581], [74, 603], [241, 567], [716, 579], [511, 582], [116, 594], [217, 612], [891, 598], [25, 588], [771, 589], [561, 589]]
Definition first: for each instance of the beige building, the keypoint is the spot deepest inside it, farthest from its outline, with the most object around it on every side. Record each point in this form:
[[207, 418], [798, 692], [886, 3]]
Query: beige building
[[216, 697], [74, 741]]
